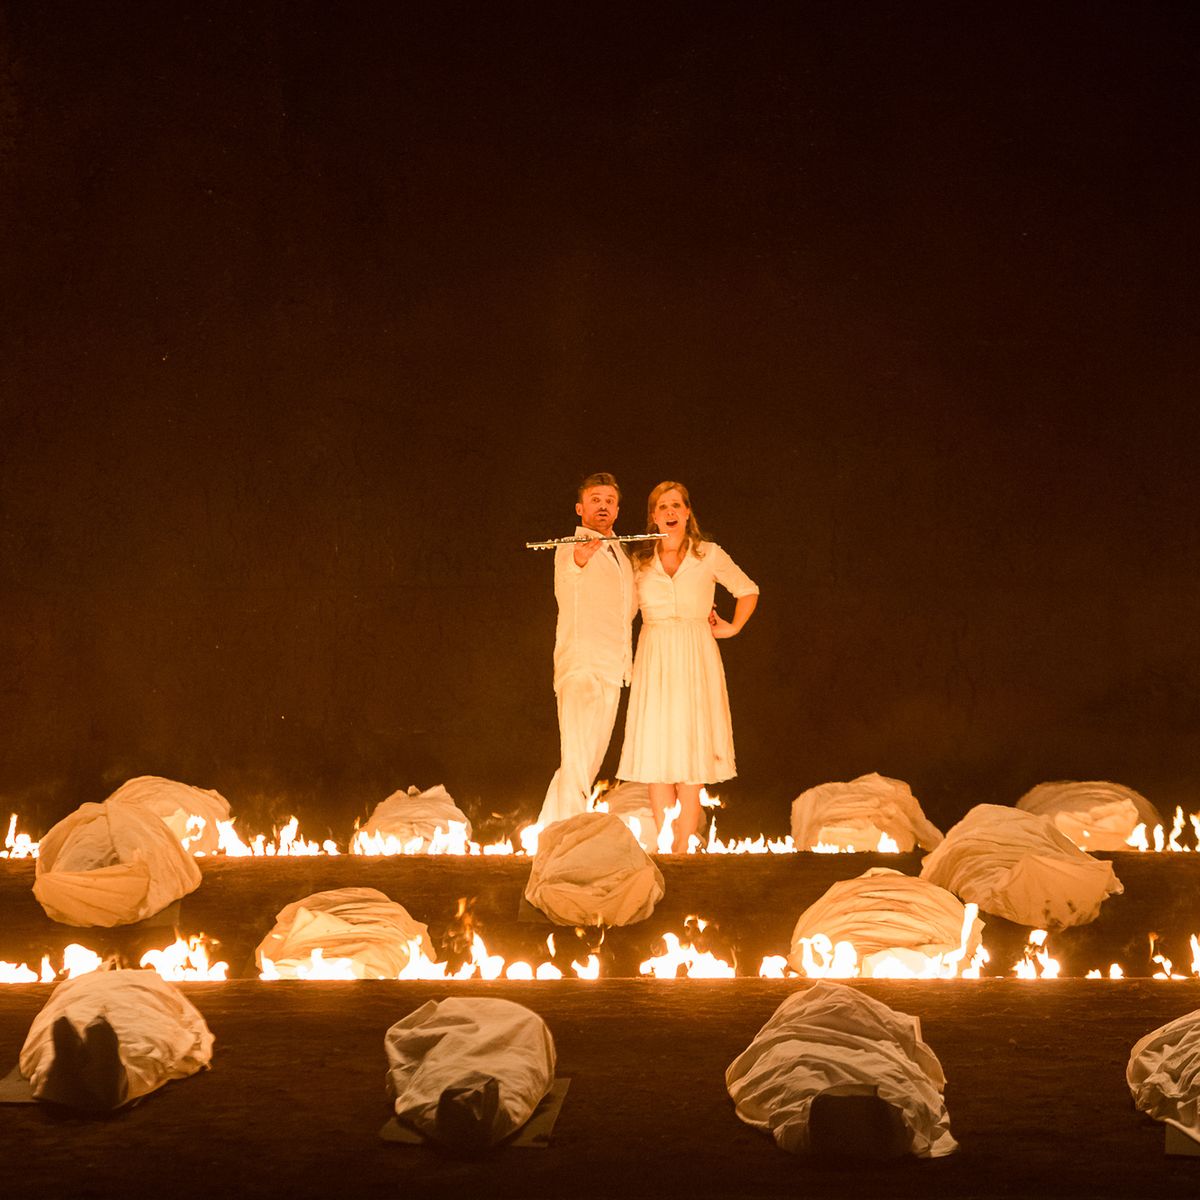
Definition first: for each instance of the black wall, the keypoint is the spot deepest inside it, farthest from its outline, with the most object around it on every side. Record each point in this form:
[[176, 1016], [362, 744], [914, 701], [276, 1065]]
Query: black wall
[[314, 314]]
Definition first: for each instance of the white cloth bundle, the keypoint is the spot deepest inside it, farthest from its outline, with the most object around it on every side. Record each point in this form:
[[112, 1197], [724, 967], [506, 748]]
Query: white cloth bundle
[[590, 870], [1016, 865], [406, 816], [833, 1036], [1164, 1073], [857, 813], [468, 1071], [110, 864], [1094, 814], [882, 912], [161, 1034], [376, 934], [192, 814]]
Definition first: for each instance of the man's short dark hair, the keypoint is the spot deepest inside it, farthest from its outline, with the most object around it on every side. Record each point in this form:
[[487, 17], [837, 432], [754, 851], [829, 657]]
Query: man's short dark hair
[[599, 479]]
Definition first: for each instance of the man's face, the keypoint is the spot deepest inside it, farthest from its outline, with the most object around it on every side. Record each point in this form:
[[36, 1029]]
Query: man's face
[[597, 509]]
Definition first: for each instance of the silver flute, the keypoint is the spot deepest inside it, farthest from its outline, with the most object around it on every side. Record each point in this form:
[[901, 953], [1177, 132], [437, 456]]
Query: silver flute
[[571, 541]]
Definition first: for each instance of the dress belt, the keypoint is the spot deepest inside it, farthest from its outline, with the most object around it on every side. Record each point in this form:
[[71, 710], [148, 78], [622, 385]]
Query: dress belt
[[675, 621]]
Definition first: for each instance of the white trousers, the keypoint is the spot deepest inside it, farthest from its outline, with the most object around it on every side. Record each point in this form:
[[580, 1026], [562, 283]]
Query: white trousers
[[587, 711]]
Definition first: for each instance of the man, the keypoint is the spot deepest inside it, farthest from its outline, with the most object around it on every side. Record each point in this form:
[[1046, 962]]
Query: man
[[593, 584]]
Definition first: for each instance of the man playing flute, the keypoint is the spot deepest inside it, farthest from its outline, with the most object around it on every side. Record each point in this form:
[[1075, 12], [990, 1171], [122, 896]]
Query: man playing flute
[[593, 584]]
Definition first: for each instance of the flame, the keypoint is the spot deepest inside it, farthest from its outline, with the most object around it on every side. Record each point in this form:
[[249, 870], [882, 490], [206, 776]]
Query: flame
[[773, 966], [287, 842], [688, 955], [76, 960], [1037, 963], [1167, 841], [18, 845], [186, 961]]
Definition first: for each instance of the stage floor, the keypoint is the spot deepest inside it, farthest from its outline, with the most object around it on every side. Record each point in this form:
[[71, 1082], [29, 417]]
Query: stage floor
[[295, 1099]]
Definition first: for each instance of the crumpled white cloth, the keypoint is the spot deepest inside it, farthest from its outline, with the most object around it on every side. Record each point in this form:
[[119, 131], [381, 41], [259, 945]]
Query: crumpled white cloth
[[110, 864], [856, 813], [375, 933], [458, 1045], [416, 814], [1164, 1073], [1017, 865], [1094, 814], [191, 813], [831, 1035], [590, 870], [162, 1035], [883, 911]]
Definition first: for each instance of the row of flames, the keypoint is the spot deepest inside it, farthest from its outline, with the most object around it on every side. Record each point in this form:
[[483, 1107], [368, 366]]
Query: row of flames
[[189, 961], [288, 841]]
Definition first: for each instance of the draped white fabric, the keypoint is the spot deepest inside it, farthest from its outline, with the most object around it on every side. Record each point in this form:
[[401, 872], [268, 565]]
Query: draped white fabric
[[415, 814], [1094, 814], [452, 1048], [161, 1034], [1164, 1073], [883, 910], [110, 864], [192, 814], [833, 1036], [857, 813], [1016, 865], [374, 933], [590, 870]]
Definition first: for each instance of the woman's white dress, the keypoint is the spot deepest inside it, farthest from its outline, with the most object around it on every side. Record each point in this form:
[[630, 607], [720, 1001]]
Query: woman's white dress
[[678, 728]]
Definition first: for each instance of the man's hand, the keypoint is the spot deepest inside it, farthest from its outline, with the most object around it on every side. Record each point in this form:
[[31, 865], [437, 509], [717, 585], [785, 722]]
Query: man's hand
[[585, 550]]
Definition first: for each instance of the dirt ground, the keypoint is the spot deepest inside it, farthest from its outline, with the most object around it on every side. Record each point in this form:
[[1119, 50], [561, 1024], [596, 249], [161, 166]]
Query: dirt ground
[[295, 1099]]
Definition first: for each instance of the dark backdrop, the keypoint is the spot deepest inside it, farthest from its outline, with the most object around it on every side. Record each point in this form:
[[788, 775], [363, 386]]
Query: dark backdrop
[[313, 314]]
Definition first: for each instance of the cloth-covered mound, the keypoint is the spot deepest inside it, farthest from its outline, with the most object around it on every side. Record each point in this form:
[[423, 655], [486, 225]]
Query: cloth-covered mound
[[376, 934], [590, 870], [192, 814], [469, 1071], [883, 912], [1017, 865], [830, 1036], [160, 1034], [416, 814], [857, 813], [1164, 1073], [1094, 814], [110, 864]]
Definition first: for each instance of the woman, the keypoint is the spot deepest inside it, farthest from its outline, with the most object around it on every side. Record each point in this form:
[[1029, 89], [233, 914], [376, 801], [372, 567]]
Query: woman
[[678, 735]]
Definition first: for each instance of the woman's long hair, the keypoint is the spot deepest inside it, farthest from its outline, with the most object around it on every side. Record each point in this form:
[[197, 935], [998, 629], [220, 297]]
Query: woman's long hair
[[693, 539]]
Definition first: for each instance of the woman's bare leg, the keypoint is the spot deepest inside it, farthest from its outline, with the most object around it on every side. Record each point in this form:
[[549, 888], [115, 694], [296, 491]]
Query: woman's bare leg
[[688, 820], [662, 796]]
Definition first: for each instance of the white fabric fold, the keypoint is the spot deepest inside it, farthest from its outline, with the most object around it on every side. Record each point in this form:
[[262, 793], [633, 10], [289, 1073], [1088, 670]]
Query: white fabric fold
[[1163, 1073], [590, 870], [469, 1071], [192, 814], [376, 935], [110, 864], [1094, 814], [884, 911], [414, 814], [1017, 865], [857, 813], [162, 1035], [833, 1036]]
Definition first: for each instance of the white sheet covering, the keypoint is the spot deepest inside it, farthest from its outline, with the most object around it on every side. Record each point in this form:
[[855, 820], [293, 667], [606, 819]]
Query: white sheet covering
[[416, 814], [1094, 814], [590, 870], [856, 813], [460, 1044], [1017, 865], [162, 1035], [360, 924], [883, 910], [830, 1035], [110, 864], [179, 805], [1164, 1073]]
